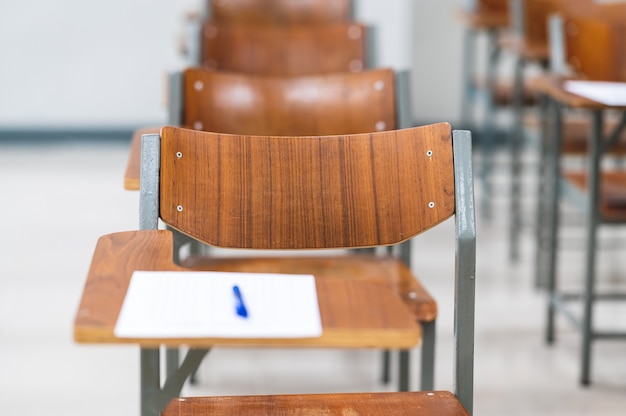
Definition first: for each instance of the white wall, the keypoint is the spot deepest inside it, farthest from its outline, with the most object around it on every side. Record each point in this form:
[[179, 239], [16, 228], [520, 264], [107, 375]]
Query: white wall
[[73, 63]]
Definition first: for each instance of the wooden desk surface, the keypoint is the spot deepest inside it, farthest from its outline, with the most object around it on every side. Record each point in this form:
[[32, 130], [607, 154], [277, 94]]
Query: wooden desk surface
[[133, 166], [353, 313], [553, 87]]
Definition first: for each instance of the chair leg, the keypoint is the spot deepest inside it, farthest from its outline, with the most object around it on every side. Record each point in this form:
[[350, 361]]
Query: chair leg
[[515, 149], [150, 376], [172, 359], [386, 358], [543, 194], [404, 373], [427, 377], [489, 129], [591, 237], [553, 218]]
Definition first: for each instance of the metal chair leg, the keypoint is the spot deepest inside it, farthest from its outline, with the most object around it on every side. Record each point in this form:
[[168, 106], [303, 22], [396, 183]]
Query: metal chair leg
[[553, 218], [515, 147], [404, 371], [386, 358], [427, 377], [591, 238]]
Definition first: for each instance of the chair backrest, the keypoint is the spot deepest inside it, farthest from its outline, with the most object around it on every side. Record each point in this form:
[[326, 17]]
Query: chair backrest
[[590, 42], [280, 11], [595, 47], [336, 103], [285, 49], [312, 192]]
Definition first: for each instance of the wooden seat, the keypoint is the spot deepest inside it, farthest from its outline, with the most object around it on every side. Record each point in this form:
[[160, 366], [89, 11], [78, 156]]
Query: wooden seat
[[296, 192], [284, 50]]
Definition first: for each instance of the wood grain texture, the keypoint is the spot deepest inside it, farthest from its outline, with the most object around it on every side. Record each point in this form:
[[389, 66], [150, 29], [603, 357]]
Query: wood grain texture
[[280, 11], [354, 314], [386, 272], [306, 192], [439, 403], [328, 104], [284, 50], [264, 105]]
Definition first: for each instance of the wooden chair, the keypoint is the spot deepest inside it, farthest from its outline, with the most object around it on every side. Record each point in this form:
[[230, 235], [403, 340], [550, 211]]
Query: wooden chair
[[280, 12], [264, 13], [590, 35], [302, 192], [338, 103], [285, 49]]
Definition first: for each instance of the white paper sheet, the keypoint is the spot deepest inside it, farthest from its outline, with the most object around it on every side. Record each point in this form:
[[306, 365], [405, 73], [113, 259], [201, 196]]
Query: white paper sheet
[[608, 93], [203, 304]]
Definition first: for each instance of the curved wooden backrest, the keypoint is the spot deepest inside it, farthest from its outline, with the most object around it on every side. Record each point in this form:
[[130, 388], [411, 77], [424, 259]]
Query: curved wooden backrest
[[595, 42], [281, 11], [284, 50], [337, 103], [268, 192]]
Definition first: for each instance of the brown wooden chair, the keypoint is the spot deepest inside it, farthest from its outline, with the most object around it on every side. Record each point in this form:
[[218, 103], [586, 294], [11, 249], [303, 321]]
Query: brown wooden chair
[[285, 49], [298, 192], [264, 13], [337, 103], [593, 48]]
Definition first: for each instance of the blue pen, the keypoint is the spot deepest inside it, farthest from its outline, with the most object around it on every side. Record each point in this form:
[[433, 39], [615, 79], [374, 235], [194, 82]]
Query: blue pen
[[240, 307]]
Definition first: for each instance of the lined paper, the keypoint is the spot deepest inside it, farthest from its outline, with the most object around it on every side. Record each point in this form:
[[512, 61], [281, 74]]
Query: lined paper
[[607, 93], [203, 305]]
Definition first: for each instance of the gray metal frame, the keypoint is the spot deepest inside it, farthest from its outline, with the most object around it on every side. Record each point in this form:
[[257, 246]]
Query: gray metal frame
[[465, 270], [175, 98], [154, 397]]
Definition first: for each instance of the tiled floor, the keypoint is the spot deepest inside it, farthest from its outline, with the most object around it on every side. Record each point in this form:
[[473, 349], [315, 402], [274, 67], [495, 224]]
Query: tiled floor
[[57, 199]]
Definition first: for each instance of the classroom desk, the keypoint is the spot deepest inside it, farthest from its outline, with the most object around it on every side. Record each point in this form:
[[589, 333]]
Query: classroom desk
[[603, 198], [341, 304]]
